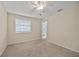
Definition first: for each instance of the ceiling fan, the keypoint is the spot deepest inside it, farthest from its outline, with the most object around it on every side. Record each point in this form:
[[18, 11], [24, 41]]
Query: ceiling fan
[[40, 5]]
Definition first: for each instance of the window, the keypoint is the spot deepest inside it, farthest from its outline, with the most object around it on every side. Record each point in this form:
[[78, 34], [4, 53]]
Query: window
[[23, 26], [44, 30]]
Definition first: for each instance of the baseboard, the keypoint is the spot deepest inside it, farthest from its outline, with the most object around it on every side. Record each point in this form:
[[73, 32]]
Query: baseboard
[[21, 42], [64, 47], [3, 50]]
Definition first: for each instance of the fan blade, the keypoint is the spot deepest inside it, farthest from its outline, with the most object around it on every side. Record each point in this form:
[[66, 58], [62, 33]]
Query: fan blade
[[33, 9]]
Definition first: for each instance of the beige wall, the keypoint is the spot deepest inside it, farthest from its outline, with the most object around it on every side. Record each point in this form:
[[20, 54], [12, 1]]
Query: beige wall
[[63, 28], [3, 28], [14, 37]]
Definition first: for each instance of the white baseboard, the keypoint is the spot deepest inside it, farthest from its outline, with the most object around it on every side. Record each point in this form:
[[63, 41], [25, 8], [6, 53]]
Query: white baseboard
[[64, 47], [3, 50], [21, 42]]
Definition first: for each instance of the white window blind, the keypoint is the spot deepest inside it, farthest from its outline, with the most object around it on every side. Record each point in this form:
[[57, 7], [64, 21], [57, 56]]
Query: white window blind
[[23, 26]]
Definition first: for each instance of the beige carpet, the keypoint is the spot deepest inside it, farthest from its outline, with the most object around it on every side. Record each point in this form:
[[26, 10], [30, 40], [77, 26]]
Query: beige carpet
[[38, 48]]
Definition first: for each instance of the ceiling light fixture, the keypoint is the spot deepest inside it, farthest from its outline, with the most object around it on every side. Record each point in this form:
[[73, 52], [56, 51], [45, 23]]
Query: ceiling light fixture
[[39, 5]]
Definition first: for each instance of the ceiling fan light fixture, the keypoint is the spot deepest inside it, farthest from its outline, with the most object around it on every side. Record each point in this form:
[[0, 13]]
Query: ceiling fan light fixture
[[40, 7]]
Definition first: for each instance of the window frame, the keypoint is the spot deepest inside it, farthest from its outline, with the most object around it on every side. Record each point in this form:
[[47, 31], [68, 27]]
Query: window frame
[[30, 26]]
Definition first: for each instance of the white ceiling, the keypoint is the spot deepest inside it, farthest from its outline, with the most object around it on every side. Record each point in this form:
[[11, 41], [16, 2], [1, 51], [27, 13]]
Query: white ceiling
[[25, 7]]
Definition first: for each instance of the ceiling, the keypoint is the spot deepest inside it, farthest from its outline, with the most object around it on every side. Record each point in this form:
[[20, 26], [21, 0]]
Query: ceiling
[[25, 7]]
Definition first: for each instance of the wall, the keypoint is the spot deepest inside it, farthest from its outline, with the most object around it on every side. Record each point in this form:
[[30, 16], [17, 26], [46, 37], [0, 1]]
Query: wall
[[3, 28], [14, 37], [63, 28]]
